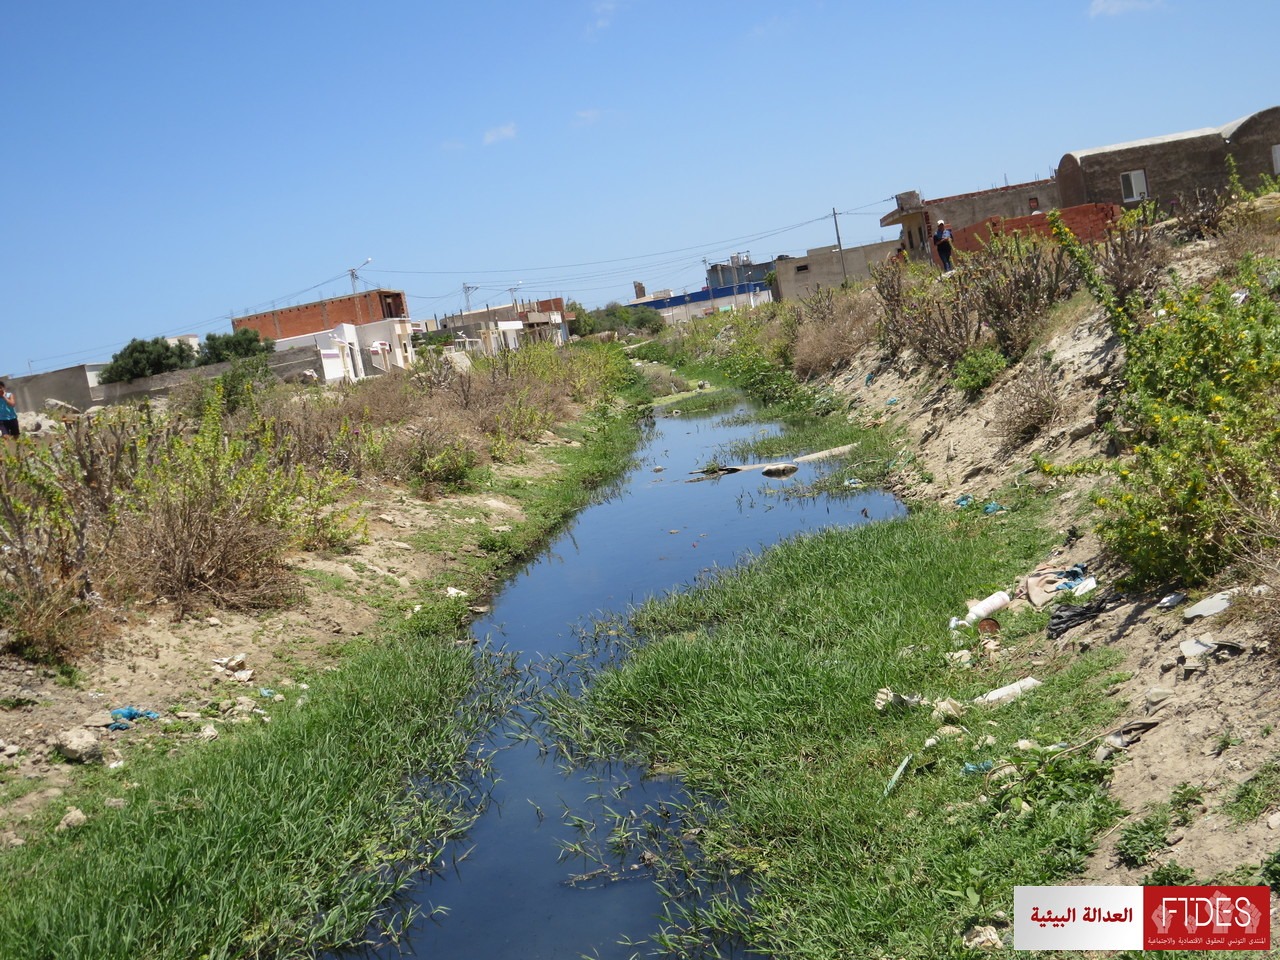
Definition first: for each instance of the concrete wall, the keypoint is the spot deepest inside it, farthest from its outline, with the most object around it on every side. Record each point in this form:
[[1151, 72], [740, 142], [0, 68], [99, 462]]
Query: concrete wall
[[284, 364], [1016, 200], [820, 268], [70, 385]]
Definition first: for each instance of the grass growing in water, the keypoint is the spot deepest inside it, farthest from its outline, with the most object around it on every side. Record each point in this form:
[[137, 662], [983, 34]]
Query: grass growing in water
[[759, 688]]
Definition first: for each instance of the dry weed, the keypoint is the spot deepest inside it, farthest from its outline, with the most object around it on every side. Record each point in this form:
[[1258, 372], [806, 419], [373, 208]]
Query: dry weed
[[834, 331], [1030, 402]]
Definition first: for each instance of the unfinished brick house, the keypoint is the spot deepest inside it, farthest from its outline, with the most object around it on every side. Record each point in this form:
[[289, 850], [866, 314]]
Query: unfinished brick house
[[1167, 168]]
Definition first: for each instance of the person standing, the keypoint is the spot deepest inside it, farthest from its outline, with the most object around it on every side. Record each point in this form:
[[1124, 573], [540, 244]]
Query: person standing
[[942, 243], [8, 412]]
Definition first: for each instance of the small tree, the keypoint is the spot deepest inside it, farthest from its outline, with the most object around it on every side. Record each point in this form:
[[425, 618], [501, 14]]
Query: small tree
[[146, 358], [581, 322], [220, 347]]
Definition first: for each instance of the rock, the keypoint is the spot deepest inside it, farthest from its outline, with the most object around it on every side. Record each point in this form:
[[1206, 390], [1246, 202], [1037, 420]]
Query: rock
[[235, 663], [213, 621], [115, 803], [1273, 821], [208, 732], [950, 731], [244, 676], [1081, 429], [78, 746], [73, 818], [12, 750], [982, 938], [100, 719]]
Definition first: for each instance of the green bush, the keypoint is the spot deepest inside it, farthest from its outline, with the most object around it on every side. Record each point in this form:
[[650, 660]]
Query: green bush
[[1199, 403], [977, 369]]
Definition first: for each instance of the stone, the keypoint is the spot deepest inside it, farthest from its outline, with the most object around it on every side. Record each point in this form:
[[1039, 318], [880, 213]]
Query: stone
[[1273, 821], [102, 718], [208, 732], [78, 745], [982, 938], [73, 818], [12, 750], [10, 839], [115, 803]]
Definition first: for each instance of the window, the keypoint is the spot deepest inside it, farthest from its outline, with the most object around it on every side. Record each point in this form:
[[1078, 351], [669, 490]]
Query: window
[[1034, 204], [1275, 158], [802, 268], [1133, 185]]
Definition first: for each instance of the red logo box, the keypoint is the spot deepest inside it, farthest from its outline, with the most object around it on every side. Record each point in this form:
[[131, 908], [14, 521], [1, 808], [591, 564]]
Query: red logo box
[[1206, 918]]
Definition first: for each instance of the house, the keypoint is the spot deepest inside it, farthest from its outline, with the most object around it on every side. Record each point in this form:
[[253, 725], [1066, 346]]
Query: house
[[491, 330], [679, 308], [918, 218], [360, 335], [827, 267], [1168, 168]]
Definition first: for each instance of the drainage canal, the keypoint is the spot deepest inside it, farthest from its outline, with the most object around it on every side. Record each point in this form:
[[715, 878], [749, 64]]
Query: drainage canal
[[510, 893]]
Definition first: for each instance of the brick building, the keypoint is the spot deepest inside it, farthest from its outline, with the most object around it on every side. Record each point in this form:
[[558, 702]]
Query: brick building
[[1167, 168], [323, 315]]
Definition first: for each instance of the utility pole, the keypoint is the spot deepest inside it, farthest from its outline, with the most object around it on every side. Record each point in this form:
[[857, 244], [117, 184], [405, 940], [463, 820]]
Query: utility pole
[[839, 246], [466, 293], [352, 271]]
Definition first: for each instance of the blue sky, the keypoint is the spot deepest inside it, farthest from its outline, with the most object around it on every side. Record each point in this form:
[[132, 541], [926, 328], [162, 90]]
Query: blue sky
[[168, 165]]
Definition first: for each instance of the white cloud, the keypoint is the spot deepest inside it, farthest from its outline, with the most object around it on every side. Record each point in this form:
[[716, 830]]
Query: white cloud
[[602, 12], [505, 132], [585, 118], [1111, 8]]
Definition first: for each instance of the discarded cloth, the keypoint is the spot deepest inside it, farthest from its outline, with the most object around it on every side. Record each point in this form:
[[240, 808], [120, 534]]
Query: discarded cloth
[[119, 725], [133, 713], [1044, 581], [1064, 618]]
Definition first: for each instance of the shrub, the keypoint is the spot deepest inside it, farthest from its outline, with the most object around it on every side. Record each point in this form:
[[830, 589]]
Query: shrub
[[938, 319], [1012, 282], [1200, 405], [832, 333], [977, 369], [1133, 258], [1030, 403], [1201, 215], [210, 518]]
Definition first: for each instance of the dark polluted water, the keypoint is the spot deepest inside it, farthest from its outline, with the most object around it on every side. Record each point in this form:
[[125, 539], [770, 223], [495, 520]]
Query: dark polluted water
[[510, 892]]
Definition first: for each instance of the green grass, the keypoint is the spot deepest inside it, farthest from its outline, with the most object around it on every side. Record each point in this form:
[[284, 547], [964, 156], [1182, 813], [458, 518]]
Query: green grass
[[1256, 796], [759, 687]]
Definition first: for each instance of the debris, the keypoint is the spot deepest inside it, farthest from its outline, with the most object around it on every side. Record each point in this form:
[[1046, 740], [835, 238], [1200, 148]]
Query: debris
[[947, 709], [1156, 697], [1009, 692], [891, 402], [1170, 600], [982, 766], [779, 469], [950, 731], [455, 592], [1064, 618], [897, 775], [1210, 605], [963, 500], [244, 676], [982, 938], [1087, 585], [133, 713], [886, 698], [1197, 648], [991, 508], [961, 658], [827, 454], [120, 725], [100, 719]]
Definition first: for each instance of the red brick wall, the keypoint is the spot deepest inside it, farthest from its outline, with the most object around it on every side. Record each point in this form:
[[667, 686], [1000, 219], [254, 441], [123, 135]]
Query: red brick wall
[[317, 317], [1088, 221]]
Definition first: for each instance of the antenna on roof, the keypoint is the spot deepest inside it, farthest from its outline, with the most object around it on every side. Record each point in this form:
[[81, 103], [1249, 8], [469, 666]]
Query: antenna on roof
[[353, 270]]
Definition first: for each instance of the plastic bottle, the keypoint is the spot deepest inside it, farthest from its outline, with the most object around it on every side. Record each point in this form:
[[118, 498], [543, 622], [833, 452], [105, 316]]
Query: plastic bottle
[[984, 608]]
